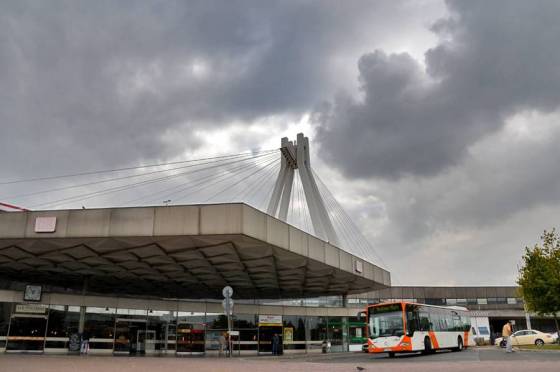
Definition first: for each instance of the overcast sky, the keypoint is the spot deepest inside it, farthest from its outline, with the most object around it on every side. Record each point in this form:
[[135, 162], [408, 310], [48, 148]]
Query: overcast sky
[[435, 123]]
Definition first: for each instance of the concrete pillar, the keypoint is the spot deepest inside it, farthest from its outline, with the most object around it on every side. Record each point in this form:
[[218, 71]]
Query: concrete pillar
[[82, 319], [345, 334], [81, 323]]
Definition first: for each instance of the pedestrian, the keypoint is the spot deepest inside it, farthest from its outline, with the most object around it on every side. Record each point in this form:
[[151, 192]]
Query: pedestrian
[[84, 345], [228, 344], [506, 334], [222, 341], [275, 344]]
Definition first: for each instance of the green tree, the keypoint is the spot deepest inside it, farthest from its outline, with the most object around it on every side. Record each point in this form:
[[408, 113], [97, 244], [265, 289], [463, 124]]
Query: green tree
[[539, 276]]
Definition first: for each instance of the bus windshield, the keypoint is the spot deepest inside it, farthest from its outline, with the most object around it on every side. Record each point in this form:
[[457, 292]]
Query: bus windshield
[[386, 321]]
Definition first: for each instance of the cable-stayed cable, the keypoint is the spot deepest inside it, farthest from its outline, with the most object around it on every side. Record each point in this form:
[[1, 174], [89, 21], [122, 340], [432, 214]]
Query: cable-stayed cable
[[171, 192], [129, 186], [239, 181], [225, 176], [64, 188], [229, 176], [124, 169], [263, 201], [360, 240], [252, 192]]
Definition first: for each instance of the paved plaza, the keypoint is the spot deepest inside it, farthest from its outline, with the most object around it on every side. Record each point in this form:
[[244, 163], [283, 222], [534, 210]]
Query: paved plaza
[[489, 359]]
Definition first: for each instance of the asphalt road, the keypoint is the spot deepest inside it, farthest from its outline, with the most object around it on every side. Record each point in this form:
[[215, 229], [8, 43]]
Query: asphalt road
[[487, 359], [472, 355]]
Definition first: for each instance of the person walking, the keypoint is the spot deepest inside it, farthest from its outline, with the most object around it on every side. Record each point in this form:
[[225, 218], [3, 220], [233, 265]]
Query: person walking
[[222, 341], [506, 334], [84, 345], [275, 344]]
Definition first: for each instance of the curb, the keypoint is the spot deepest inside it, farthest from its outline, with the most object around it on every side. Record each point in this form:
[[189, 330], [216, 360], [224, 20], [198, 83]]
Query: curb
[[539, 350]]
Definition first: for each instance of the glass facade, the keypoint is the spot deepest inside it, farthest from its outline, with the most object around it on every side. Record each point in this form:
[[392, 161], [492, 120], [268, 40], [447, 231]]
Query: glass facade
[[99, 327], [294, 332], [63, 327], [5, 313], [131, 331], [122, 331], [471, 303]]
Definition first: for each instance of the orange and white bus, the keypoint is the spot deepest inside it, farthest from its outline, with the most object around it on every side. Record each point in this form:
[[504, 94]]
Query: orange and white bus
[[403, 327]]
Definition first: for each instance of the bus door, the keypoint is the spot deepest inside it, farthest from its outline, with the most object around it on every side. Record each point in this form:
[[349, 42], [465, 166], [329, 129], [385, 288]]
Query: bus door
[[27, 333]]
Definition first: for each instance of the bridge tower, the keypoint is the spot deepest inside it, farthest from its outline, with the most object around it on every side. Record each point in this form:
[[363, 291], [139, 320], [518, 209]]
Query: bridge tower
[[295, 156]]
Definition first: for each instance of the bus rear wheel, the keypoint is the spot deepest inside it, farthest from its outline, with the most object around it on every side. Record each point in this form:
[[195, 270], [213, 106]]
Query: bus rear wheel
[[459, 344]]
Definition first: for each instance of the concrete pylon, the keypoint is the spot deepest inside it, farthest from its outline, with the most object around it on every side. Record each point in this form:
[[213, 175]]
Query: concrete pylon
[[295, 156]]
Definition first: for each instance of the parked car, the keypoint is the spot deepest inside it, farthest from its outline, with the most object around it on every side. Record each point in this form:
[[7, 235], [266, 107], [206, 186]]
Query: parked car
[[527, 337], [555, 337]]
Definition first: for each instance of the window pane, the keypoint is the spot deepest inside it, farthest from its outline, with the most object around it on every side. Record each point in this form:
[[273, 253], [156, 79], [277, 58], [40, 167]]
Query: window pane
[[297, 323], [63, 322], [5, 313], [99, 326]]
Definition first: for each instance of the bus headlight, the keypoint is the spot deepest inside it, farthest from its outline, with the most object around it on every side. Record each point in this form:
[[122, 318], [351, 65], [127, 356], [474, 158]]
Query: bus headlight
[[405, 344]]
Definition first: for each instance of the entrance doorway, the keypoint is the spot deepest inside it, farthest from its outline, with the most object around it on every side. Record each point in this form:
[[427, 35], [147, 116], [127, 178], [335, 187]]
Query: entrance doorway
[[265, 338], [190, 339], [131, 336], [27, 333]]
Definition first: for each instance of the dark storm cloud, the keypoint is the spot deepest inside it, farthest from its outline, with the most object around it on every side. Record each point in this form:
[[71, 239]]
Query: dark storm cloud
[[494, 58], [101, 83]]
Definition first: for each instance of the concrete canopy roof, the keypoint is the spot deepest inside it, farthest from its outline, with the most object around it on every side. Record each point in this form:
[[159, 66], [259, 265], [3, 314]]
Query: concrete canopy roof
[[189, 251]]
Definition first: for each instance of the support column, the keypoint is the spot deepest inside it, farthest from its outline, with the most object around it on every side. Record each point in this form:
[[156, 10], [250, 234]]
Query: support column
[[277, 191], [82, 320], [296, 156], [286, 195], [319, 215]]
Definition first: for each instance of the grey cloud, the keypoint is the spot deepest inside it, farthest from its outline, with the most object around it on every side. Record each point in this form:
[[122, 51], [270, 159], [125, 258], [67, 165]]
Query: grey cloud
[[502, 176], [472, 221], [105, 81], [493, 60]]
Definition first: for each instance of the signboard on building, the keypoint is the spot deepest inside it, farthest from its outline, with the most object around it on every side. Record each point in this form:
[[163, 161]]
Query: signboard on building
[[358, 266], [288, 335], [31, 309], [270, 320], [45, 224]]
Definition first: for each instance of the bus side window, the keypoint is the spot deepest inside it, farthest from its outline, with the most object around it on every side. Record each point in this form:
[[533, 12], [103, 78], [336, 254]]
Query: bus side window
[[449, 320], [457, 324], [424, 322], [466, 323]]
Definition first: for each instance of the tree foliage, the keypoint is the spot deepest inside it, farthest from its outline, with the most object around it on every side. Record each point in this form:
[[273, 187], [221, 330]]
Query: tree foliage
[[539, 276]]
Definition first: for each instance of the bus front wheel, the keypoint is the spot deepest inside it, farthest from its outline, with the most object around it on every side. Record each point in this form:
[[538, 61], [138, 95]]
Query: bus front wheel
[[428, 346]]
